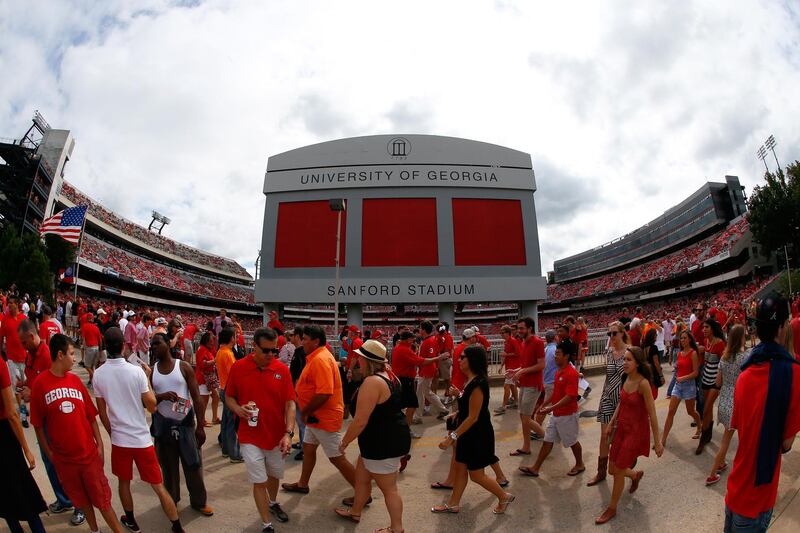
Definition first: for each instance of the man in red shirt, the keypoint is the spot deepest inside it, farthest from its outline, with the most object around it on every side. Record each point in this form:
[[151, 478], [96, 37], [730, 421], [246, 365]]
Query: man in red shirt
[[404, 365], [93, 344], [445, 364], [49, 326], [530, 381], [563, 426], [766, 415], [61, 405], [259, 391], [795, 323], [14, 352], [483, 341], [37, 356], [429, 348], [189, 333], [510, 360]]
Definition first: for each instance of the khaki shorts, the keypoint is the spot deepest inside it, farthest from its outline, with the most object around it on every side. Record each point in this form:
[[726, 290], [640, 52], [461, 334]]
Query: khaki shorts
[[528, 396], [261, 463], [17, 372], [329, 441], [562, 429], [92, 355], [382, 466], [445, 366]]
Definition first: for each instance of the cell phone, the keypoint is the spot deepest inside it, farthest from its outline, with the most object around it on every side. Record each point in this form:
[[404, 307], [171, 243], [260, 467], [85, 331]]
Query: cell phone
[[313, 419]]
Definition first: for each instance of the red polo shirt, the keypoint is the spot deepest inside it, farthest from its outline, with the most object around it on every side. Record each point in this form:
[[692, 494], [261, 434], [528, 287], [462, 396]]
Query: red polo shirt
[[429, 348], [532, 351], [91, 333], [37, 362], [445, 343], [405, 361], [697, 330], [352, 346], [566, 384], [749, 400], [512, 349], [484, 341], [14, 350], [270, 388]]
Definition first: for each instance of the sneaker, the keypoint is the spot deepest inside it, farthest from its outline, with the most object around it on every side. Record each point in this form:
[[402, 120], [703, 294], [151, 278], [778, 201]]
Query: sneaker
[[299, 456], [415, 435], [205, 510], [269, 528], [236, 460], [297, 446], [536, 436], [416, 421], [57, 508], [130, 524], [78, 518], [225, 455], [81, 364], [279, 513], [25, 423], [586, 393]]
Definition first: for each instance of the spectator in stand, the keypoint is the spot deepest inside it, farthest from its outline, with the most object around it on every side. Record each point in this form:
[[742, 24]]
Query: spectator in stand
[[92, 339], [207, 379], [228, 440], [274, 323], [766, 414], [68, 433]]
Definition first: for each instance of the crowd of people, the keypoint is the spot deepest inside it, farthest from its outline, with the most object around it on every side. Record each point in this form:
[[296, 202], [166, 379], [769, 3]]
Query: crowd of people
[[658, 269], [152, 239], [295, 384], [139, 268]]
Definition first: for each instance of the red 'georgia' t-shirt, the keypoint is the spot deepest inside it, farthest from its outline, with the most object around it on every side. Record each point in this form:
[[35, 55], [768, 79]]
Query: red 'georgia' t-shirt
[[63, 406], [429, 348], [749, 400], [532, 351]]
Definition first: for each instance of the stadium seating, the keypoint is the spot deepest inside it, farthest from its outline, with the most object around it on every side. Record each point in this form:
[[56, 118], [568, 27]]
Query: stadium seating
[[152, 239], [658, 269], [128, 264]]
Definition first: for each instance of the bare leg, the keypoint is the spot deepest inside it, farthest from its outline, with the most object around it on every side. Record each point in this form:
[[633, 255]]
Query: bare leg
[[451, 473], [526, 432], [459, 484], [619, 485], [498, 473], [394, 503], [673, 407], [577, 451], [215, 406], [202, 407], [691, 411], [363, 486], [480, 477], [506, 394], [410, 414], [719, 460], [170, 509], [544, 451], [345, 467], [110, 517], [262, 501], [309, 462]]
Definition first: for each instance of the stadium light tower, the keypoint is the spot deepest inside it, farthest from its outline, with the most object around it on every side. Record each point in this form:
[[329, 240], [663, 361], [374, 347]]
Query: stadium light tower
[[157, 217], [339, 205], [770, 145], [762, 155]]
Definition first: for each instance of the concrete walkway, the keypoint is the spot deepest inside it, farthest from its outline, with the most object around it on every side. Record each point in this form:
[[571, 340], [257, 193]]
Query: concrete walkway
[[672, 496]]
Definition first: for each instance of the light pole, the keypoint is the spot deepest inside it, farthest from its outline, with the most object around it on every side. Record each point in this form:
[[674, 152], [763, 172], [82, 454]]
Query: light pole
[[339, 205], [770, 145], [762, 155]]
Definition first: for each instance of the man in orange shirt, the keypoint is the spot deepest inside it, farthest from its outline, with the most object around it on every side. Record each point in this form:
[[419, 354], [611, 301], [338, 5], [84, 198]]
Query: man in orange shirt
[[228, 439], [319, 395]]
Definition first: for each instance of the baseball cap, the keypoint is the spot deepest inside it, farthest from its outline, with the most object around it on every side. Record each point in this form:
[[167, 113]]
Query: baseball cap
[[161, 320], [773, 309], [353, 328], [468, 333], [101, 311], [377, 334]]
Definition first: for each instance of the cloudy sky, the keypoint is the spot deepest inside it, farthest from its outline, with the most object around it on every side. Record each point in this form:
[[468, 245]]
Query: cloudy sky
[[625, 107]]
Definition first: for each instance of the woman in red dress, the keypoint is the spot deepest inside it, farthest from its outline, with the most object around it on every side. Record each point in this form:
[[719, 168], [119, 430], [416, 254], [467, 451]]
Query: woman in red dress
[[631, 436]]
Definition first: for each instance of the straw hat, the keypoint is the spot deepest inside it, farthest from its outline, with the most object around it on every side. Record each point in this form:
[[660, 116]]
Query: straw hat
[[373, 351]]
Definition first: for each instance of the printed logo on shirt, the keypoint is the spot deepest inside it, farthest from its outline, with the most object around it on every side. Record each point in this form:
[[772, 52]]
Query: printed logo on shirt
[[278, 376], [61, 393], [66, 407]]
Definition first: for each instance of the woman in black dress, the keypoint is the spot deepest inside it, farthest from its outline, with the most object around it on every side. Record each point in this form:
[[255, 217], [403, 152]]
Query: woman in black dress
[[474, 434], [20, 498]]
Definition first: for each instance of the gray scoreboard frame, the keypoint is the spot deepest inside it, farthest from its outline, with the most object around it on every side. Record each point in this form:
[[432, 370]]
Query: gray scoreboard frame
[[401, 166]]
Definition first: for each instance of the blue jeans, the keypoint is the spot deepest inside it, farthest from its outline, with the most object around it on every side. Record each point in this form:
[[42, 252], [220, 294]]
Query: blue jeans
[[301, 427], [61, 496], [228, 439], [672, 383], [736, 523]]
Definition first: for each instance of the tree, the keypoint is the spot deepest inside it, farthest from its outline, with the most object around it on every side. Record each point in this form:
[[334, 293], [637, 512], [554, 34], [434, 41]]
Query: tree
[[23, 261], [60, 253], [774, 215]]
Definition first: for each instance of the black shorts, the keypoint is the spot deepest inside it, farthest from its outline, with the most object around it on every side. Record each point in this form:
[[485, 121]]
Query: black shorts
[[408, 395]]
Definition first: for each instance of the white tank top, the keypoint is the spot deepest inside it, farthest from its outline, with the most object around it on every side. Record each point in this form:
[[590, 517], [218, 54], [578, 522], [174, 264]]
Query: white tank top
[[172, 382]]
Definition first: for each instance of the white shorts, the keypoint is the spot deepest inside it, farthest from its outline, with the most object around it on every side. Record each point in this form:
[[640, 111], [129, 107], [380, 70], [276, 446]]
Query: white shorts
[[528, 396], [548, 393], [329, 441], [16, 371], [204, 389], [445, 367], [92, 356], [382, 466], [562, 429], [261, 463]]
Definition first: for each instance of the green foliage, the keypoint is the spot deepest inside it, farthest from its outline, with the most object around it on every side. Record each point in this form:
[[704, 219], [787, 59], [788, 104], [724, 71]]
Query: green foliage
[[23, 260], [60, 253], [784, 282], [774, 207]]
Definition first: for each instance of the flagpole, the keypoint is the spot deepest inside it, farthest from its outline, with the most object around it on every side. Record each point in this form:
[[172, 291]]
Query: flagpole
[[78, 256]]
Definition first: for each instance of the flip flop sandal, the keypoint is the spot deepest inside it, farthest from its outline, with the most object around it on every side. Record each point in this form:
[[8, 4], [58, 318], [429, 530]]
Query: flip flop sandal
[[518, 452], [526, 471], [635, 481], [351, 499], [445, 509], [503, 484], [504, 504], [574, 472], [440, 486], [294, 487], [347, 515]]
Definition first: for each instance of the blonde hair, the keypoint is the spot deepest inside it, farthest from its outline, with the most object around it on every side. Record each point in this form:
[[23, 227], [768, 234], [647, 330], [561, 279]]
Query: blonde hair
[[736, 338], [370, 368], [621, 327]]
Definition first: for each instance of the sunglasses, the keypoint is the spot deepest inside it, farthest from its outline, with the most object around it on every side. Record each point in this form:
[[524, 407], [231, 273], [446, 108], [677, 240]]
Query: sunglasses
[[267, 351]]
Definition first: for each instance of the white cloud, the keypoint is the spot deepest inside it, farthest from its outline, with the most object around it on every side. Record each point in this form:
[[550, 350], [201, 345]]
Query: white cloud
[[177, 105]]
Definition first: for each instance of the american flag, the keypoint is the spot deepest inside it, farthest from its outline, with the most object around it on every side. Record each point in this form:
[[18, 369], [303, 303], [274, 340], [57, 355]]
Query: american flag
[[68, 224]]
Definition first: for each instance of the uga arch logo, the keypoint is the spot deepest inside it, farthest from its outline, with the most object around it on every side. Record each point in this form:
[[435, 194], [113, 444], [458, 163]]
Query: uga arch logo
[[398, 148]]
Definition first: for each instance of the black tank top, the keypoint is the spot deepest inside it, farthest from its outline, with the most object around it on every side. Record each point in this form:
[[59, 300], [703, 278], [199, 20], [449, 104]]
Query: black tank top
[[386, 434]]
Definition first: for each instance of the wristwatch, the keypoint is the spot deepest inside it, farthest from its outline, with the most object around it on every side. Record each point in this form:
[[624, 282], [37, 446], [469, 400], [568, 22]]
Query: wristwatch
[[453, 435], [291, 434]]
